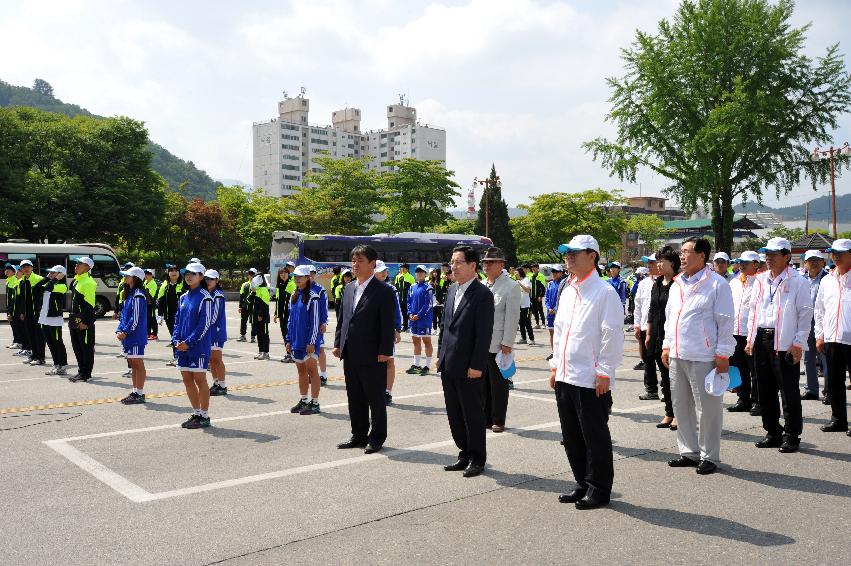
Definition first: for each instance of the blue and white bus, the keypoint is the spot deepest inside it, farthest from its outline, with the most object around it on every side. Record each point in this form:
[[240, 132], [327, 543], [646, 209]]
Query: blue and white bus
[[326, 251]]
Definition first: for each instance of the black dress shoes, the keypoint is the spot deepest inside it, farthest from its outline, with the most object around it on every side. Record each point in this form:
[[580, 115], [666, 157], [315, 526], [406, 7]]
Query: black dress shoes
[[769, 442], [457, 466], [372, 448], [573, 496], [591, 502], [790, 445], [649, 397], [706, 467], [834, 426], [756, 411], [352, 443], [809, 396], [682, 462], [740, 407], [473, 470]]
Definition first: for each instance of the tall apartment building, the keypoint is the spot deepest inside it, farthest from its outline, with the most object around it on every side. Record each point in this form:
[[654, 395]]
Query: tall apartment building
[[284, 147]]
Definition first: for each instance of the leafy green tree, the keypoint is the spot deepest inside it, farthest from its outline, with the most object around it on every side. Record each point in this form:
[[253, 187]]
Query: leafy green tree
[[499, 227], [457, 226], [416, 195], [790, 234], [342, 198], [554, 218], [723, 102], [649, 228], [43, 87]]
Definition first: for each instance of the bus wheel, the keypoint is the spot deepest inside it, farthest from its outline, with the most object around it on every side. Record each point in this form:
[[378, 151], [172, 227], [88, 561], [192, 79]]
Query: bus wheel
[[101, 306]]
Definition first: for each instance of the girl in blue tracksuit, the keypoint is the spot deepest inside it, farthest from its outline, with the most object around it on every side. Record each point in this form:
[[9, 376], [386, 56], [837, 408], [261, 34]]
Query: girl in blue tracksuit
[[193, 339], [420, 305], [219, 334], [303, 339], [133, 331]]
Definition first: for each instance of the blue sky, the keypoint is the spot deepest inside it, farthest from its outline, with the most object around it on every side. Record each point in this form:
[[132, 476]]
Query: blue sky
[[515, 82]]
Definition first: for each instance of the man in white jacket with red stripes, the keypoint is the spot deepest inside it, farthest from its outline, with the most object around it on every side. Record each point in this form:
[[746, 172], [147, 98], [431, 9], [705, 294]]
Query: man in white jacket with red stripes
[[698, 337], [778, 329]]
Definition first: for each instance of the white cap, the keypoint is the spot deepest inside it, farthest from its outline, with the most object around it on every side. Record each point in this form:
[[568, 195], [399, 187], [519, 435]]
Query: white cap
[[194, 260], [302, 271], [762, 258], [721, 255], [258, 280], [776, 244], [312, 268], [642, 271], [748, 256], [211, 273], [26, 262], [346, 272], [291, 264], [149, 270], [195, 268], [421, 268], [841, 245], [614, 264], [580, 243], [58, 269], [87, 260], [558, 267], [252, 270], [648, 258], [810, 254], [134, 272], [716, 383], [380, 266]]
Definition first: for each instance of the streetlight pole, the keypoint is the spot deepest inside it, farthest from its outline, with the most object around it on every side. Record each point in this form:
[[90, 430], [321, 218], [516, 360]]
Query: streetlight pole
[[488, 184], [818, 154]]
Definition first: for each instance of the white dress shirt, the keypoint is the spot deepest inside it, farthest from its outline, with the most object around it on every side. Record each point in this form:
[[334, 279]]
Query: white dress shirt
[[642, 302], [699, 317], [359, 289], [460, 293], [742, 303], [588, 333], [833, 308], [782, 303]]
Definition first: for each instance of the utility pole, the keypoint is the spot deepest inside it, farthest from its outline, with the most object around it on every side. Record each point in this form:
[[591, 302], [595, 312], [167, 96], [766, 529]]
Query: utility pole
[[806, 219], [818, 154], [488, 184]]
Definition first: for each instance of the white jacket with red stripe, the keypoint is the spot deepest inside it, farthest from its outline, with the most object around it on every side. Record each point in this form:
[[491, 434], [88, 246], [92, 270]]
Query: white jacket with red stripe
[[794, 306], [741, 303], [588, 332], [699, 318], [833, 308]]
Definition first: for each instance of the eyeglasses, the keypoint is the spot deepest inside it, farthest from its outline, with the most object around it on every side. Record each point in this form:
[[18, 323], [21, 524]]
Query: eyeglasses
[[459, 262]]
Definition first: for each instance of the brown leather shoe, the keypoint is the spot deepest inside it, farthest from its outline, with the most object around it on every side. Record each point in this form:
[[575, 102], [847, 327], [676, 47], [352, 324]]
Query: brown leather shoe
[[497, 428]]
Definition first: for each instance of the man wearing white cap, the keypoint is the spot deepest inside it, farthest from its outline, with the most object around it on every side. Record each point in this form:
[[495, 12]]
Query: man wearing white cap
[[81, 318], [833, 331], [813, 359], [50, 317], [639, 326], [742, 288], [698, 337], [721, 264], [778, 326], [588, 347]]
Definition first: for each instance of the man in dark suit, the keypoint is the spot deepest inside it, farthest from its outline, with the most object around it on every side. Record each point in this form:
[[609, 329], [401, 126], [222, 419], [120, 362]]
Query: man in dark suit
[[364, 341], [463, 357]]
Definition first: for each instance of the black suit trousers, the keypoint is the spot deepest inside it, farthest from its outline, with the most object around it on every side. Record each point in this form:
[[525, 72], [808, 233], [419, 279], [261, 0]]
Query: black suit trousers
[[775, 375], [585, 428], [365, 386], [838, 362], [466, 414], [496, 394], [83, 343], [748, 390]]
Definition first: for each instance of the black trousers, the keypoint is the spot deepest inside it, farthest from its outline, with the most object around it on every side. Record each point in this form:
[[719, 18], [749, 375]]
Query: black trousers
[[83, 343], [774, 374], [152, 320], [403, 306], [585, 428], [243, 321], [365, 386], [17, 337], [284, 320], [53, 337], [538, 310], [526, 324], [495, 394], [35, 337], [437, 317], [262, 329], [169, 322], [664, 381], [838, 364], [749, 389], [651, 382], [463, 398]]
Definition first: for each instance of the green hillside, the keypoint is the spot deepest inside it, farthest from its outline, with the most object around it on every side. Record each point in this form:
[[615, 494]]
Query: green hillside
[[173, 169]]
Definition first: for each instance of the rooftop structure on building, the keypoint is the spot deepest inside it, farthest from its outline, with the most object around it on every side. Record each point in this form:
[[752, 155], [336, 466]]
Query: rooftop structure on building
[[285, 147]]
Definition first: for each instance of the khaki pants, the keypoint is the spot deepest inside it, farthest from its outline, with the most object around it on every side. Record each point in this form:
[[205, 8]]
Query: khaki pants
[[699, 414]]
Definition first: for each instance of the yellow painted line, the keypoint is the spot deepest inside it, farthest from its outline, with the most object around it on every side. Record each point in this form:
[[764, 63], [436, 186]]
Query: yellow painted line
[[244, 387]]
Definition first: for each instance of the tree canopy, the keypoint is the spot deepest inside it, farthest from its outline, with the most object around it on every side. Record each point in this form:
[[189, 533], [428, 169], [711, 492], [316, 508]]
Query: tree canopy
[[723, 102], [416, 195], [499, 227]]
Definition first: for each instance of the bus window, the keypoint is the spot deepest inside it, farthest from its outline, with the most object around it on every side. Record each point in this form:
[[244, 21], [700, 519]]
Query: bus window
[[18, 258], [106, 269], [326, 251], [48, 261]]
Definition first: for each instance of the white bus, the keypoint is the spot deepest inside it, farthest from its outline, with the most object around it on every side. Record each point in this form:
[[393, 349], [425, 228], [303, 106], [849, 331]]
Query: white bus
[[45, 256]]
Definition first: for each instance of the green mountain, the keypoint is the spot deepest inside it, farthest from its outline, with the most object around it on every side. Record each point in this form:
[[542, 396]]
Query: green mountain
[[173, 169], [819, 208]]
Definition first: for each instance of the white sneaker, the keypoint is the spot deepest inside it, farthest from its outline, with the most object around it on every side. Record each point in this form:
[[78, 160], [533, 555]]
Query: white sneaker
[[532, 343], [52, 371], [264, 356], [128, 373], [37, 362], [171, 363]]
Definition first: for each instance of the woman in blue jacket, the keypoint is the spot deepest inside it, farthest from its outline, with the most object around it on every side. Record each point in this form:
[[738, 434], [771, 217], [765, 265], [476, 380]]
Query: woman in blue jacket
[[132, 331], [218, 327], [193, 340], [303, 339]]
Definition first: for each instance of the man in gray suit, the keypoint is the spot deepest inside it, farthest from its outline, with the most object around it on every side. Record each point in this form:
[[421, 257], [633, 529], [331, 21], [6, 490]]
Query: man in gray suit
[[506, 317]]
